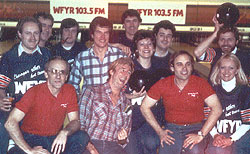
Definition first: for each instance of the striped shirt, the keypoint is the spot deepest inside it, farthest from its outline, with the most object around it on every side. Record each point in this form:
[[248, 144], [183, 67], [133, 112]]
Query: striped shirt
[[89, 67], [99, 117]]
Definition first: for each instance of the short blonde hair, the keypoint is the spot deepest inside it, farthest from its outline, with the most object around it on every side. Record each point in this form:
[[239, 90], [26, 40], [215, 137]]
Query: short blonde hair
[[240, 76]]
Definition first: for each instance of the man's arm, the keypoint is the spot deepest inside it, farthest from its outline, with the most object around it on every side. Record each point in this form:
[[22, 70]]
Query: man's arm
[[12, 126], [75, 77], [61, 139], [122, 47], [216, 110], [147, 103], [213, 102], [201, 48]]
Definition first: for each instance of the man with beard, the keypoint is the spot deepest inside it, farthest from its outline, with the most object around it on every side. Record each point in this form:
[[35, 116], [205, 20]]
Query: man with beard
[[227, 39], [47, 22]]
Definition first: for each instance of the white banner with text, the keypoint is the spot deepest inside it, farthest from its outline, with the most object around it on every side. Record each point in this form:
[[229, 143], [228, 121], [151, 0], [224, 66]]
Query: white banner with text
[[154, 11], [80, 10]]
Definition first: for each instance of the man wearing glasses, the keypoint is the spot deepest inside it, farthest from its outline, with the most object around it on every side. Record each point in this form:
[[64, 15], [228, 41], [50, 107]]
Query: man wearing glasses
[[43, 109]]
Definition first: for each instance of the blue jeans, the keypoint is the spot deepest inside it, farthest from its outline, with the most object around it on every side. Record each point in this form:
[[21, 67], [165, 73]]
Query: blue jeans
[[76, 143], [179, 134], [143, 141], [107, 147], [242, 146], [4, 136]]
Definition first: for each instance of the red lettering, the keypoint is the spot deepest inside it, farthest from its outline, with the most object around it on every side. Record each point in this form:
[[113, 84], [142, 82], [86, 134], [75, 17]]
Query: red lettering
[[101, 11], [150, 12], [140, 11], [178, 13], [72, 10], [91, 10], [57, 10]]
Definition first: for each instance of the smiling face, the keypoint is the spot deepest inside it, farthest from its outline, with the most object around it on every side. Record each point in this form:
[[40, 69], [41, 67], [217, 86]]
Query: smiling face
[[101, 37], [227, 69], [227, 42], [182, 67], [120, 76], [164, 39], [29, 36], [145, 48]]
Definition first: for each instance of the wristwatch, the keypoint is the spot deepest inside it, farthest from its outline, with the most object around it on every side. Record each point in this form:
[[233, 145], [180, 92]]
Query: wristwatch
[[200, 133]]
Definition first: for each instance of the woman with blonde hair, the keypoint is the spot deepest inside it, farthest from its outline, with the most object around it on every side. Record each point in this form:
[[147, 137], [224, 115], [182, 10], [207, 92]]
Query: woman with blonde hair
[[231, 86]]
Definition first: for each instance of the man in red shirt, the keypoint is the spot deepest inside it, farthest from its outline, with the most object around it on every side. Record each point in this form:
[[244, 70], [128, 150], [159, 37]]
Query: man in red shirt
[[43, 109], [183, 97]]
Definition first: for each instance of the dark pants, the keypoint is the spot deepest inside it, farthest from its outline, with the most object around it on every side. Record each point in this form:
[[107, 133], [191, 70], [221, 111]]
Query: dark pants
[[143, 141], [179, 134], [4, 136], [107, 147], [76, 143]]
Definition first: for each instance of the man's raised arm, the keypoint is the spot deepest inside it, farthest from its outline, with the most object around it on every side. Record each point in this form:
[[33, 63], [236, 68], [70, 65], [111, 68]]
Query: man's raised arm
[[202, 47]]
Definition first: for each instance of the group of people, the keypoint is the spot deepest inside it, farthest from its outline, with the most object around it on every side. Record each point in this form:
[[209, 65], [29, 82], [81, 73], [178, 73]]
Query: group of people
[[175, 112]]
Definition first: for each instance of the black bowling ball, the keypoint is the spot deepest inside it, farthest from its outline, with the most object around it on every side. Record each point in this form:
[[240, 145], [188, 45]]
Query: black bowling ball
[[228, 14], [139, 79]]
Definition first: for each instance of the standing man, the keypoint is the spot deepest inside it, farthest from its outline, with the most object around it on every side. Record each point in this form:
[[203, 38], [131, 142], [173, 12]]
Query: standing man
[[47, 22], [92, 64], [163, 32], [227, 39], [20, 68], [69, 48], [43, 109], [131, 21], [182, 94], [104, 109]]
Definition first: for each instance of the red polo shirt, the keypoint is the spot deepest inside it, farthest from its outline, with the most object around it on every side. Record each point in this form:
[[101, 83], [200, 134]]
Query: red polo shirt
[[44, 113], [182, 107]]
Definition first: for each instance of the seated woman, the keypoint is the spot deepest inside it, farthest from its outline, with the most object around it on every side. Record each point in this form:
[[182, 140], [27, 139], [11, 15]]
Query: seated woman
[[230, 84], [143, 139]]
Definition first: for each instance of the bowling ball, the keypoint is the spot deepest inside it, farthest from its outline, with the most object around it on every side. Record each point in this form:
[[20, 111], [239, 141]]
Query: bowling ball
[[228, 14], [139, 79]]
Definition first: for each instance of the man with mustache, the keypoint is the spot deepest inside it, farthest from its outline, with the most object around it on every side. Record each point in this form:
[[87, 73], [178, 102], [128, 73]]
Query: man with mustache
[[227, 39]]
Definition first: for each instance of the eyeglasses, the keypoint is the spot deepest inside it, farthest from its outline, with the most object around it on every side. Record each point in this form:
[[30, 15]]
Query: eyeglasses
[[58, 72]]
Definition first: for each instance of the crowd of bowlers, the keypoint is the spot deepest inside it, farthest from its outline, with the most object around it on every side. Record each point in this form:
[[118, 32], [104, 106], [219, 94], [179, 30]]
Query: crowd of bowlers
[[175, 111]]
